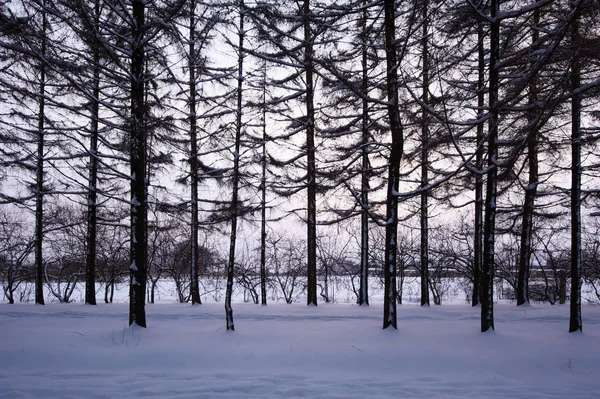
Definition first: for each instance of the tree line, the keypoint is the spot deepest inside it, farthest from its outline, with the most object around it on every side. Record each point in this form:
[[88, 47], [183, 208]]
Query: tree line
[[122, 120]]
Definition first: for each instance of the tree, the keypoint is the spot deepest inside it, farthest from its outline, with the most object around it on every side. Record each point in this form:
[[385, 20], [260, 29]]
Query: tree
[[15, 250], [28, 39], [92, 215], [489, 238], [201, 24], [575, 321], [139, 206], [66, 240], [292, 34], [396, 150], [236, 168], [424, 258], [311, 178], [351, 127]]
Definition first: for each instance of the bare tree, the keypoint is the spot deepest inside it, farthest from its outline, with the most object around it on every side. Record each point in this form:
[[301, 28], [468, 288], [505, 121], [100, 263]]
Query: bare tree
[[15, 250]]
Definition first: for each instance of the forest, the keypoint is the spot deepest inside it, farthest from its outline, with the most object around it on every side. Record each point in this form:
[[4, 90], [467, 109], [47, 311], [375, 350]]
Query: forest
[[262, 141]]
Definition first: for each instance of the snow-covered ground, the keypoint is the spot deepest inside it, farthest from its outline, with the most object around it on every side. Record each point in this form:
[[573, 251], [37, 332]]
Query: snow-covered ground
[[287, 351]]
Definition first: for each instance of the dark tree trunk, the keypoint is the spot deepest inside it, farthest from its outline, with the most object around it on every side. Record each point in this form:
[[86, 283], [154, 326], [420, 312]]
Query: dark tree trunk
[[391, 227], [531, 189], [106, 291], [236, 173], [489, 236], [424, 163], [575, 322], [478, 233], [152, 290], [39, 194], [139, 206], [363, 294], [311, 221], [90, 263], [194, 273], [263, 201]]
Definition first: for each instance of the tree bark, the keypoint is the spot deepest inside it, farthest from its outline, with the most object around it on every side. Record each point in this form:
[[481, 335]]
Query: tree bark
[[424, 162], [39, 194], [263, 201], [311, 222], [575, 321], [363, 296], [489, 234], [194, 264], [139, 206], [90, 269], [236, 173], [531, 189], [478, 230], [391, 227]]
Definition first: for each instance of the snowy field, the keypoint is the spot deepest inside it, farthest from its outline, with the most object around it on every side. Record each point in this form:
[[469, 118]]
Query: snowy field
[[295, 351]]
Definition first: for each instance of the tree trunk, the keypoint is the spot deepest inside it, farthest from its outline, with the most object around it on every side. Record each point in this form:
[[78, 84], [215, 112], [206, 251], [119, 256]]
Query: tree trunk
[[311, 222], [112, 291], [531, 189], [236, 174], [489, 236], [152, 290], [90, 269], [363, 295], [139, 210], [391, 227], [263, 201], [575, 322], [424, 163], [194, 273], [39, 194], [478, 230]]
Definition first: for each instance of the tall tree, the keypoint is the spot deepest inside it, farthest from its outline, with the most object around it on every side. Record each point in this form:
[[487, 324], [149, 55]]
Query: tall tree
[[235, 208], [531, 188], [39, 190], [192, 60], [351, 78], [395, 157], [139, 206], [363, 296], [479, 152], [263, 192], [311, 178], [193, 34], [26, 132], [291, 33], [424, 214], [575, 320], [489, 238], [92, 211]]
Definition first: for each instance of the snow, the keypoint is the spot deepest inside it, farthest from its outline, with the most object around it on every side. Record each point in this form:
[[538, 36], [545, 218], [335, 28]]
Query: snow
[[286, 351]]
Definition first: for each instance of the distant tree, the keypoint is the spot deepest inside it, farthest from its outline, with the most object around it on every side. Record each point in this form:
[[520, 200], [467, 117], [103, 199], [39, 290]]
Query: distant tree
[[351, 122], [292, 33], [27, 127], [195, 29], [15, 250], [112, 255], [286, 257], [65, 237]]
